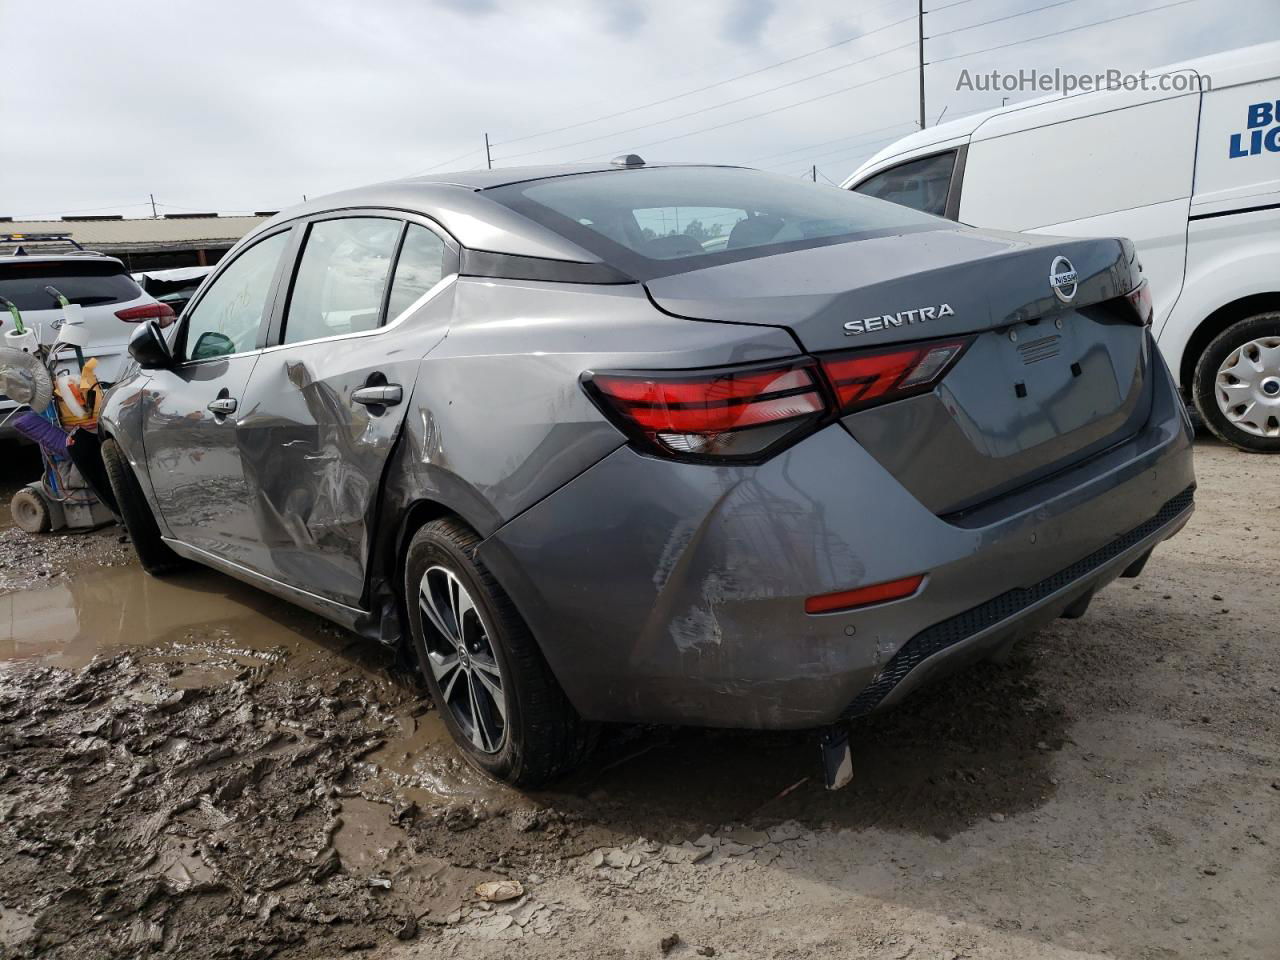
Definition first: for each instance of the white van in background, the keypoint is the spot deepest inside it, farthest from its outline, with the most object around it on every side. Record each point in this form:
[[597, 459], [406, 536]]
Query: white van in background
[[1191, 175]]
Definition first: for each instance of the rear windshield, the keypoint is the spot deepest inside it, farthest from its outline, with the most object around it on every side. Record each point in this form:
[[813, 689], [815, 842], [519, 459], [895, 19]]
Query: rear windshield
[[666, 220], [87, 283]]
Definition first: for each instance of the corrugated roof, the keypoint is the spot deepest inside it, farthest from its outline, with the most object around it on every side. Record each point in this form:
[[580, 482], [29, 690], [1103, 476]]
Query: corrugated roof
[[142, 232]]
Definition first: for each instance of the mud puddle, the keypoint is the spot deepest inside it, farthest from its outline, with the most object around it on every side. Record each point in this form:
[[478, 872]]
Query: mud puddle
[[188, 764]]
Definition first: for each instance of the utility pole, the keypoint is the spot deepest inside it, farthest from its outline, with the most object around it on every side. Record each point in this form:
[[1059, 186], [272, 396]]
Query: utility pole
[[487, 155], [154, 215], [814, 173], [921, 24]]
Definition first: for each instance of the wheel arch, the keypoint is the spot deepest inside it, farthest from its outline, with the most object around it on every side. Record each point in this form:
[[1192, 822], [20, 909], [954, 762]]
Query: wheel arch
[[1217, 321], [410, 507]]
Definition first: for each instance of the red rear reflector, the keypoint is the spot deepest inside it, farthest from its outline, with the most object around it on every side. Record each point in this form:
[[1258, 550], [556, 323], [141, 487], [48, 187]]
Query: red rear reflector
[[1140, 299], [725, 413], [864, 596], [148, 311], [866, 378]]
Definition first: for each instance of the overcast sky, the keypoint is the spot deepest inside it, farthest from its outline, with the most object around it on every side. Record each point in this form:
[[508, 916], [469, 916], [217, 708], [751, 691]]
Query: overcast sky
[[235, 105]]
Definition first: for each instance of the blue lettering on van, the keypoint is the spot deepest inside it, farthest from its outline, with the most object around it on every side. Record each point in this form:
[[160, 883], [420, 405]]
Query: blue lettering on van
[[1257, 139]]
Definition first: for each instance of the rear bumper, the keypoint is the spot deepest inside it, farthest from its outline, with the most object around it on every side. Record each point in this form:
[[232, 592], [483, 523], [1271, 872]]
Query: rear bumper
[[663, 592], [969, 635]]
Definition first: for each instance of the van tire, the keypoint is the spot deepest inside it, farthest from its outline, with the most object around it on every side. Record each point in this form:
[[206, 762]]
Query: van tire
[[140, 523], [543, 736], [1204, 390]]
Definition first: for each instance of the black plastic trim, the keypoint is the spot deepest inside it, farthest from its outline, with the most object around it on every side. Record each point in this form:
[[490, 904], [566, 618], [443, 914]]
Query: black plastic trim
[[510, 266], [1234, 213], [961, 627]]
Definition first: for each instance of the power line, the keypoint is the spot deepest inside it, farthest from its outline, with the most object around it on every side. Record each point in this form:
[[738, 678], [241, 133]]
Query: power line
[[1011, 16], [766, 113], [1058, 33], [64, 213], [703, 89], [717, 106], [948, 6], [435, 166], [812, 146], [839, 151]]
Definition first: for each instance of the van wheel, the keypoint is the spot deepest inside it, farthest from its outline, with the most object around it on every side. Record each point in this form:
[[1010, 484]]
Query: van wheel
[[154, 555], [495, 692], [1237, 384]]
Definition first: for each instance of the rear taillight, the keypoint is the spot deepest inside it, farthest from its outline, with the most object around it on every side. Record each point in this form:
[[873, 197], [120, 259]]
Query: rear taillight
[[723, 414], [748, 413], [1140, 299], [870, 377], [160, 312]]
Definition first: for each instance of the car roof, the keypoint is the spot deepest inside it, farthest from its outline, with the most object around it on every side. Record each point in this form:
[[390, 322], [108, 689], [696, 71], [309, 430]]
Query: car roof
[[1226, 68], [457, 202]]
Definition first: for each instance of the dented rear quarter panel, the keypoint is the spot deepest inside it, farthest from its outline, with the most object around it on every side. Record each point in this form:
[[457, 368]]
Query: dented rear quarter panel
[[499, 419]]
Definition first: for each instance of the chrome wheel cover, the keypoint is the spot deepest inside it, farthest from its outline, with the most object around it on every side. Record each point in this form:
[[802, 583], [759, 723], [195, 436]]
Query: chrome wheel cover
[[1247, 387], [462, 661]]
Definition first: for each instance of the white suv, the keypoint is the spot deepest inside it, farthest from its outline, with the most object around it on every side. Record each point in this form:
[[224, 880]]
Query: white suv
[[112, 305]]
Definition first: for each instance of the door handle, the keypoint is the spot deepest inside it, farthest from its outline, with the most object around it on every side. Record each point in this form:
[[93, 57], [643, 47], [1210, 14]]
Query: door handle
[[222, 406], [386, 395]]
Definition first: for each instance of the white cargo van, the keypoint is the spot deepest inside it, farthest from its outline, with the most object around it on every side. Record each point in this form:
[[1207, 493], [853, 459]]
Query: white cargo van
[[1189, 169]]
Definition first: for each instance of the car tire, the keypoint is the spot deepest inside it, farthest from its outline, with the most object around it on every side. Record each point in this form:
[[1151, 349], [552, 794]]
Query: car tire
[[499, 701], [154, 555], [1260, 433]]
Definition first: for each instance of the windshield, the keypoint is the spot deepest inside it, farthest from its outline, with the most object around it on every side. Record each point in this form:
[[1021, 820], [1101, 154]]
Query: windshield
[[667, 220]]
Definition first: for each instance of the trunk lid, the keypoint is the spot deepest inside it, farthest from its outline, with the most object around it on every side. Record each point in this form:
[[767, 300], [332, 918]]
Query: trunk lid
[[1046, 381]]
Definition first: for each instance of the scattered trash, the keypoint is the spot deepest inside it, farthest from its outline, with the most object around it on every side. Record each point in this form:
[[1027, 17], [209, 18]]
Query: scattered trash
[[499, 891]]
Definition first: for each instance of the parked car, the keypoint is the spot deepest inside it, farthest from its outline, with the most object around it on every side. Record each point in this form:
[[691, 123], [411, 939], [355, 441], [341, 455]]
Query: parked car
[[1191, 173], [112, 305], [595, 475], [174, 286]]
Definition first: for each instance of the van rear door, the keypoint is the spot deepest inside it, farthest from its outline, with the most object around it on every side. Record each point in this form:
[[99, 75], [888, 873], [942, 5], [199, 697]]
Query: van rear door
[[1111, 163]]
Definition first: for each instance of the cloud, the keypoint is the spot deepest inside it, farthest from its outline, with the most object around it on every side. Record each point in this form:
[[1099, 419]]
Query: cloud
[[623, 17], [745, 20], [268, 101], [472, 8]]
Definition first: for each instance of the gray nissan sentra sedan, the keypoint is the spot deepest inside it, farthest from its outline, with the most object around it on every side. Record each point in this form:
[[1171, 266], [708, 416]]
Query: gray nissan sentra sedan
[[675, 444]]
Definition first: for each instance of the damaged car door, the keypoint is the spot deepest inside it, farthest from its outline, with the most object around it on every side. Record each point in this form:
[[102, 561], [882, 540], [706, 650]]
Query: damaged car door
[[189, 428], [325, 402]]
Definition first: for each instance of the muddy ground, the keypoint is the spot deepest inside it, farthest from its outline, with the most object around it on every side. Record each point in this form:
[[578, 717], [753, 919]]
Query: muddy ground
[[190, 767]]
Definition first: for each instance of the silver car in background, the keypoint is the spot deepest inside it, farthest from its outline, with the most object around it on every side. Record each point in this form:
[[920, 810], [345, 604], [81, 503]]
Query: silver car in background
[[594, 464]]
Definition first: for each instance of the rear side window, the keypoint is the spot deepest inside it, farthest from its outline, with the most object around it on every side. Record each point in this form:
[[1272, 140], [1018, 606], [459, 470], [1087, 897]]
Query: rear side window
[[919, 184], [83, 282], [228, 316], [663, 220], [418, 269], [341, 278]]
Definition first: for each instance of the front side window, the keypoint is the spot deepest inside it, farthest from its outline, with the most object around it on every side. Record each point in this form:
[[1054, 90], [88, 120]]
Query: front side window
[[341, 278], [419, 267], [229, 315], [663, 220], [919, 184]]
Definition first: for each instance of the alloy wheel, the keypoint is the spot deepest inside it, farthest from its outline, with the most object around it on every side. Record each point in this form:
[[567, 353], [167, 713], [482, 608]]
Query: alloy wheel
[[1247, 387], [462, 660]]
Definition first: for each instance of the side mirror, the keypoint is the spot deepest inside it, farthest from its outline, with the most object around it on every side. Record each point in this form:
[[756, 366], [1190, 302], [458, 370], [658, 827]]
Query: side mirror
[[148, 347]]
